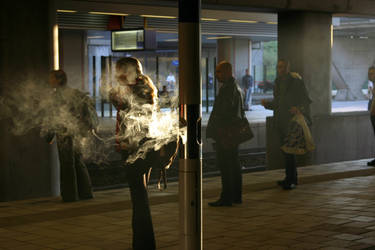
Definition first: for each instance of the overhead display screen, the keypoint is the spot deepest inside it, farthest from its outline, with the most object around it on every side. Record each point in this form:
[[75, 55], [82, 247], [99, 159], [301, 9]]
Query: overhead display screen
[[126, 40]]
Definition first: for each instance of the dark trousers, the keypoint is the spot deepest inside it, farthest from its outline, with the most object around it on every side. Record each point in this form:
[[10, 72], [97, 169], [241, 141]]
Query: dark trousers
[[290, 169], [231, 175], [143, 232], [290, 165], [369, 104], [372, 118], [75, 182]]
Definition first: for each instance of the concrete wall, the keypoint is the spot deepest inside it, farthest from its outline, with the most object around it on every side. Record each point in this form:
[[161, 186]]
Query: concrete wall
[[339, 137], [242, 53], [352, 58], [236, 51], [304, 38], [73, 57], [28, 165]]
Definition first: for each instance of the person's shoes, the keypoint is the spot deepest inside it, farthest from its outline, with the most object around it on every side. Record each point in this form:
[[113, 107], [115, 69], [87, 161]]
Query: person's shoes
[[371, 163], [282, 183], [220, 203], [289, 186]]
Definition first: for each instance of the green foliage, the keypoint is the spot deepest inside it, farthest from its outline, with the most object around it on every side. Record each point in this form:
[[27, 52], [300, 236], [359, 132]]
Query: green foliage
[[270, 59]]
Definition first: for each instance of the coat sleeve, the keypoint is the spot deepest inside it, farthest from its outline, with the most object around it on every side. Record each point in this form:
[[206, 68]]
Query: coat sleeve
[[302, 100], [272, 105]]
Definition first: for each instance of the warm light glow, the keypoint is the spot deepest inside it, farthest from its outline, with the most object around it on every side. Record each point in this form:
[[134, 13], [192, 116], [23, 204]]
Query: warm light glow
[[331, 30], [95, 37], [108, 13], [209, 19], [55, 34], [271, 22], [67, 11], [241, 21], [153, 16], [218, 37]]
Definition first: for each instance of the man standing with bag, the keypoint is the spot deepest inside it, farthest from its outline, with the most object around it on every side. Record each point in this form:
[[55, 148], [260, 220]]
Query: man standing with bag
[[290, 98], [226, 112]]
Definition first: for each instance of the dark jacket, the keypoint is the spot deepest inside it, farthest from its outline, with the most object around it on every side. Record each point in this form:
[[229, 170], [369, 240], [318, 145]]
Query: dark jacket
[[247, 82], [72, 114], [226, 110], [289, 92]]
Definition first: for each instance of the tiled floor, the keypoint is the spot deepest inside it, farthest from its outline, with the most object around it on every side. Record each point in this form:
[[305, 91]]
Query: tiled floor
[[332, 208]]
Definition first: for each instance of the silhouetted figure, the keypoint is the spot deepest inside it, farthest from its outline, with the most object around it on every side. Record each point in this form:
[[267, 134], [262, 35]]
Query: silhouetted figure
[[290, 98], [73, 119], [227, 109], [247, 86], [143, 94]]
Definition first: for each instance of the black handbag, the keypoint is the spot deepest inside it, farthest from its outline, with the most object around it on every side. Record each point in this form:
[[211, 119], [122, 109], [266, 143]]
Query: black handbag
[[240, 132]]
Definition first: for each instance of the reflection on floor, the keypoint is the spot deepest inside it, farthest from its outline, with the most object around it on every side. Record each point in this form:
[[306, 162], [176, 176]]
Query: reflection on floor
[[332, 208]]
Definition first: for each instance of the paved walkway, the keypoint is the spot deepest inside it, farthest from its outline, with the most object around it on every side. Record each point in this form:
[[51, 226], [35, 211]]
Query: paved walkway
[[332, 208]]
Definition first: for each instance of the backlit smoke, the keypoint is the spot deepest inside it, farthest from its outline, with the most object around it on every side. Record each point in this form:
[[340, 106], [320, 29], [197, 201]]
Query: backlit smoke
[[37, 106], [33, 106], [145, 127]]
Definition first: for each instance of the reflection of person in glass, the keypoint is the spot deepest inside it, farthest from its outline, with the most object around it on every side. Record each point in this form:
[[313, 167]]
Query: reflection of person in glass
[[71, 104], [171, 83], [136, 91]]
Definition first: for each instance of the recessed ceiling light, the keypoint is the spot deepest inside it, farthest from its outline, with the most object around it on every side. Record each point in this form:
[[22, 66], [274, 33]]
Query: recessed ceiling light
[[95, 37], [154, 16], [241, 21], [171, 40], [218, 37], [209, 19], [108, 13], [66, 11]]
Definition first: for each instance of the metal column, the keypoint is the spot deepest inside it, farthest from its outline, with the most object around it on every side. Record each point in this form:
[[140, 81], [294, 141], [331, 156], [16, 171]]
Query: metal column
[[190, 92]]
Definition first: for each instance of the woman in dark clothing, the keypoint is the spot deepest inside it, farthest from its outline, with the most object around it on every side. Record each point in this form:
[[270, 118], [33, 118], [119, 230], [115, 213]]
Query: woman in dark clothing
[[70, 106], [135, 101]]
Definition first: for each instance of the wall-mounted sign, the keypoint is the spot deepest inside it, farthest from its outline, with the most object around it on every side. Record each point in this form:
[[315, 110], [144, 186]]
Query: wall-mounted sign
[[133, 39]]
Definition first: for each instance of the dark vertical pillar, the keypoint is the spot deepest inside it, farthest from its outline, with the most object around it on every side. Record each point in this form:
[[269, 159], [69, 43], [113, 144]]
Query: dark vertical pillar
[[214, 80], [157, 71], [254, 75], [305, 39], [94, 79], [207, 89], [102, 76], [110, 82], [190, 91], [28, 165], [264, 73]]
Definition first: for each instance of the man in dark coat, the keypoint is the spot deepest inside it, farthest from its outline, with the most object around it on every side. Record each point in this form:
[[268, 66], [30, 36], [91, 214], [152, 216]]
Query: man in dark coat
[[227, 109], [290, 98]]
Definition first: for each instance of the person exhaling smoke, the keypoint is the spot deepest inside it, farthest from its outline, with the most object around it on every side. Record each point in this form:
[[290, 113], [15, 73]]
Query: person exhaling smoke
[[135, 100]]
